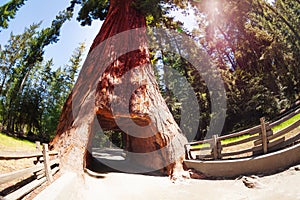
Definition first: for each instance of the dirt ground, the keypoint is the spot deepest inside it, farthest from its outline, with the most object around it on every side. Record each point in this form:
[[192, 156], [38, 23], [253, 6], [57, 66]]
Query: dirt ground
[[116, 186], [7, 166]]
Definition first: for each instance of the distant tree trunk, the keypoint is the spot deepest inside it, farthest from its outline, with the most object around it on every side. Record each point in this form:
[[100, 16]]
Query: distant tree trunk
[[127, 98]]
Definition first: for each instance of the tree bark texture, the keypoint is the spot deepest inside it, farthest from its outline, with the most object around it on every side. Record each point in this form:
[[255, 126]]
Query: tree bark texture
[[118, 86]]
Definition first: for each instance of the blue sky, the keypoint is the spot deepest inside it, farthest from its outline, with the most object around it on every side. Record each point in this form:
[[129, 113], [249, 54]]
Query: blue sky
[[72, 33]]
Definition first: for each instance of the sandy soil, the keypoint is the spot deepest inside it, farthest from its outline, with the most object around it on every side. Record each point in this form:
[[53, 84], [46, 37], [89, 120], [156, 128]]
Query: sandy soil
[[116, 186]]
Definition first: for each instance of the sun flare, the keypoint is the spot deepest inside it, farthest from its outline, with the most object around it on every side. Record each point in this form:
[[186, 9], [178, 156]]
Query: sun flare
[[212, 7]]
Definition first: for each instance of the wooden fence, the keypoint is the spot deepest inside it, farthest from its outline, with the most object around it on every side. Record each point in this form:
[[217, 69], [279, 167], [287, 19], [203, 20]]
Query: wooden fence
[[46, 165], [254, 141]]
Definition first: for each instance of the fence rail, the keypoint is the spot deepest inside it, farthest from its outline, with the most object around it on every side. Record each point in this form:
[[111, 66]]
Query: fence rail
[[257, 140], [46, 165]]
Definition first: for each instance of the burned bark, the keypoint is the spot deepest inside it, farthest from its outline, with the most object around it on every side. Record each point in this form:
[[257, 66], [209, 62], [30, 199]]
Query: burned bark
[[126, 97]]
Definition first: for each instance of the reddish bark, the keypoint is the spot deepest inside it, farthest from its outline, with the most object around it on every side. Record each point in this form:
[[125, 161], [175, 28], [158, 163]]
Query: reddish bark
[[127, 98]]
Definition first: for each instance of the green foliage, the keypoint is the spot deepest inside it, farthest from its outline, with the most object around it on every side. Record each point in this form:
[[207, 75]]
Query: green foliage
[[92, 9], [154, 10], [61, 84], [106, 139], [256, 45], [178, 80], [8, 11], [248, 100], [150, 8], [21, 92], [31, 94]]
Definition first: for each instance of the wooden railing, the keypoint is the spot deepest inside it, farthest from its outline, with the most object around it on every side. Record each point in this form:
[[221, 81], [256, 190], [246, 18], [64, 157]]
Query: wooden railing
[[45, 166], [254, 141]]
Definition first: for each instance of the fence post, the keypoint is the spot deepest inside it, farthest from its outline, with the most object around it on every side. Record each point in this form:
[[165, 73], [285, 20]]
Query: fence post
[[219, 148], [187, 151], [215, 147], [269, 130], [47, 163], [38, 145], [264, 135]]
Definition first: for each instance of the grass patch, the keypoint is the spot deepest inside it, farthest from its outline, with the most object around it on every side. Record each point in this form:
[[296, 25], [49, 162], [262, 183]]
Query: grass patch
[[8, 143], [286, 123], [235, 139], [196, 146]]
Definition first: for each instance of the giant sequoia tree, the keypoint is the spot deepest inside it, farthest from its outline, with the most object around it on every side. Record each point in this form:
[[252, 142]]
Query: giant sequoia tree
[[117, 90]]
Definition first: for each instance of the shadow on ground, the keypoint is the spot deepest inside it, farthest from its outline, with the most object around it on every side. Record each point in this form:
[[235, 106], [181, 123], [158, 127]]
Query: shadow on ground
[[114, 160]]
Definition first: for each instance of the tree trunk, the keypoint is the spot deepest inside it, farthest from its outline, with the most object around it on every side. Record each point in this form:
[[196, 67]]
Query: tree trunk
[[117, 84]]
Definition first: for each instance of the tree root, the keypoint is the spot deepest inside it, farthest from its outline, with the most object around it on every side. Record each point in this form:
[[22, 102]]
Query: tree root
[[179, 174]]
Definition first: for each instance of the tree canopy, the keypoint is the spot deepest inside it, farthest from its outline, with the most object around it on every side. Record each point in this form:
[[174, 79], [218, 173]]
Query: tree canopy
[[155, 9], [9, 10]]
